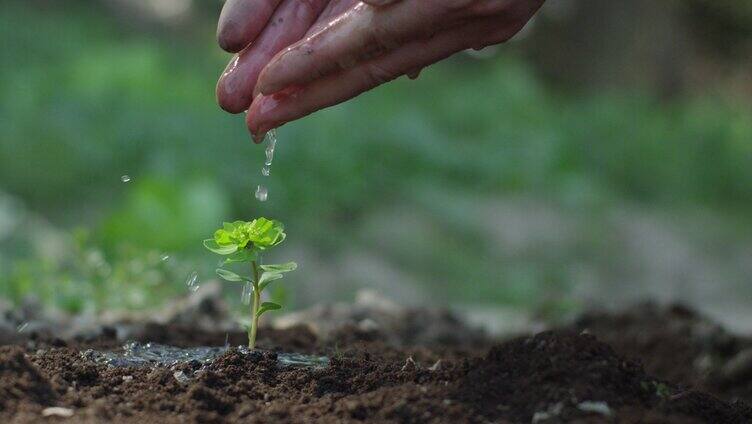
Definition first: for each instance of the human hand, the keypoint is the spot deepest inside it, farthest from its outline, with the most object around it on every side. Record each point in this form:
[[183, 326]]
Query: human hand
[[359, 46], [257, 30]]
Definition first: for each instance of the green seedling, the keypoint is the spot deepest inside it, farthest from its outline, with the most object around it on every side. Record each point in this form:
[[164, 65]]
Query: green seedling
[[243, 242]]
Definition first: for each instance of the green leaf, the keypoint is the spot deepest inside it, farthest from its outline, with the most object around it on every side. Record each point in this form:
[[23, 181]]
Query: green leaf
[[279, 268], [244, 255], [220, 250], [274, 272], [266, 307], [265, 233], [231, 226], [268, 277], [231, 276]]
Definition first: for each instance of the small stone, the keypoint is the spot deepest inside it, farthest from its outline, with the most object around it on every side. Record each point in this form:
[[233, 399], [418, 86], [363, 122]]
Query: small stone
[[56, 411], [181, 377], [596, 407], [552, 411], [409, 364], [368, 325]]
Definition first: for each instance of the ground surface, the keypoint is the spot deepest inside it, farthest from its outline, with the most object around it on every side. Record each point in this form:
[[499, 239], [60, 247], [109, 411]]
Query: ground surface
[[661, 365]]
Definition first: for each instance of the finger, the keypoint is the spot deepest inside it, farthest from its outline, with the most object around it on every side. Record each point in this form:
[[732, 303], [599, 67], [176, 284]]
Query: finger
[[273, 110], [289, 24], [241, 21], [380, 3], [332, 10], [363, 31]]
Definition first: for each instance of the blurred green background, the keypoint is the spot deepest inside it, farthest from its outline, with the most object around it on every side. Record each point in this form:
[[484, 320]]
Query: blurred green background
[[603, 156]]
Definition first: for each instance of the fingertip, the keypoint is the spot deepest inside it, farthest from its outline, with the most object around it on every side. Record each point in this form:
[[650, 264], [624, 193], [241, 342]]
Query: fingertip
[[230, 93], [229, 40], [264, 115], [230, 102], [252, 121]]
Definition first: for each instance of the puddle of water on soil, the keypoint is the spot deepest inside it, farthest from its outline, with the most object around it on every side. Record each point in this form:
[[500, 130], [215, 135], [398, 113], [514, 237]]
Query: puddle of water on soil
[[136, 354]]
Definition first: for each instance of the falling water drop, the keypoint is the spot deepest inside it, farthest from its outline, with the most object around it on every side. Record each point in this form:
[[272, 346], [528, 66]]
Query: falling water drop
[[22, 327], [164, 258], [262, 193], [192, 282], [265, 171], [125, 178], [245, 297]]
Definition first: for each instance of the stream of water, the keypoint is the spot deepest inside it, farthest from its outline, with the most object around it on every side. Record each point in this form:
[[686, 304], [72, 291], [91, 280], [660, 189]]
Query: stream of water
[[262, 193]]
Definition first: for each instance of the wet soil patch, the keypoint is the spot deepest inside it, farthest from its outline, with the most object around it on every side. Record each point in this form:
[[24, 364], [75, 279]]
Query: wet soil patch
[[553, 377]]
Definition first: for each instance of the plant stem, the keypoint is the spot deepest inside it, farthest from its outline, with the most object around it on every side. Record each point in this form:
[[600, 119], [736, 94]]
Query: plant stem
[[254, 308]]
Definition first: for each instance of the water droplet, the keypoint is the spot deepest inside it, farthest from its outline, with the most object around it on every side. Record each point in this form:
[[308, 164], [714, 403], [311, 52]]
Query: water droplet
[[22, 327], [164, 258], [262, 193], [192, 281], [265, 171], [125, 178], [245, 297]]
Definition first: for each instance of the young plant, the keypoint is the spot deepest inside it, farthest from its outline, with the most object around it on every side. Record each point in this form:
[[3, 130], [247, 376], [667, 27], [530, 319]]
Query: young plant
[[243, 242]]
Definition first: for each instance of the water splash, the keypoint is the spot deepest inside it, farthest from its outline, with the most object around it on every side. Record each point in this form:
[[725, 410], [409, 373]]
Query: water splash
[[136, 354], [125, 178], [192, 281], [298, 360]]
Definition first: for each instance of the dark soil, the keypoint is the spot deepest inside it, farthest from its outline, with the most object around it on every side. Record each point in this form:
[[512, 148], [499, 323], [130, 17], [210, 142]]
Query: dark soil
[[553, 377]]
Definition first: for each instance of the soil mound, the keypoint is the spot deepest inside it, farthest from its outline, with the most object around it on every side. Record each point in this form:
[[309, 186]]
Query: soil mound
[[566, 377], [22, 385]]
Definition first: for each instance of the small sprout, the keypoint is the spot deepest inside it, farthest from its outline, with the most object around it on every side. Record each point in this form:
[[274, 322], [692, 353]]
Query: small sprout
[[242, 242], [659, 389]]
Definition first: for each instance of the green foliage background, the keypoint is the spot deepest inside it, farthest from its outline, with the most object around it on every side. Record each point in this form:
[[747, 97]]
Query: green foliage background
[[86, 98]]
